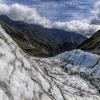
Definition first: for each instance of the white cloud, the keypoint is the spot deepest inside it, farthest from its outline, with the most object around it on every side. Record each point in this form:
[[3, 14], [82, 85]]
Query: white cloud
[[96, 12], [30, 15], [2, 1], [23, 13], [77, 26]]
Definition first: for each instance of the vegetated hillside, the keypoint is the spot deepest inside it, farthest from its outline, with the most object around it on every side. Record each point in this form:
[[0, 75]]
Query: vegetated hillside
[[73, 75], [40, 41], [92, 44]]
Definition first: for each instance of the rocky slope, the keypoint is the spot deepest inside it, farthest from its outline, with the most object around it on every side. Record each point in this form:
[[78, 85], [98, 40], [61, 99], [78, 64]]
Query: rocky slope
[[40, 41], [92, 44], [63, 77]]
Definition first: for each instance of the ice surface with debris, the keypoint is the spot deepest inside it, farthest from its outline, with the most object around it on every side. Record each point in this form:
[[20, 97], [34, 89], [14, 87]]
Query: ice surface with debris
[[57, 78]]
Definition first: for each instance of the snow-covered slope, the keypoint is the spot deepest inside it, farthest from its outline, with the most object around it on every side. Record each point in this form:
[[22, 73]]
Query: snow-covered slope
[[58, 78]]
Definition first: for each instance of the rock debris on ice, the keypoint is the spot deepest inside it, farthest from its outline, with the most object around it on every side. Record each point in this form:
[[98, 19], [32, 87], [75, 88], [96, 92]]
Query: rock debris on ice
[[73, 75]]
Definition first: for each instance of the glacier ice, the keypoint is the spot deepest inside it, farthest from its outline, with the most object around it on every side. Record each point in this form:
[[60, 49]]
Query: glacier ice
[[57, 78]]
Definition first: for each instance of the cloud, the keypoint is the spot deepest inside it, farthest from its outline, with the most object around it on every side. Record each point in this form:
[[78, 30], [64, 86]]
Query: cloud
[[78, 27], [30, 15], [96, 12], [23, 13], [95, 21], [2, 1]]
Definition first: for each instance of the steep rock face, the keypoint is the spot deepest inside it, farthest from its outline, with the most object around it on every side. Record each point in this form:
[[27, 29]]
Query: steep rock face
[[29, 78]]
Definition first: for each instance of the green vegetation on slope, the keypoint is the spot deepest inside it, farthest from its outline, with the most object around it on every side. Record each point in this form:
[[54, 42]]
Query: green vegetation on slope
[[39, 41], [93, 43], [20, 39]]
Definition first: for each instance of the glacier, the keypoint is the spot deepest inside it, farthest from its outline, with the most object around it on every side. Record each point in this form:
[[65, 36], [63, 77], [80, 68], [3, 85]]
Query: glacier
[[72, 75]]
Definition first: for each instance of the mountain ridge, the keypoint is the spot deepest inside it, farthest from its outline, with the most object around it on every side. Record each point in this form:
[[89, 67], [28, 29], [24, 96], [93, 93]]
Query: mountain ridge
[[92, 44], [46, 41]]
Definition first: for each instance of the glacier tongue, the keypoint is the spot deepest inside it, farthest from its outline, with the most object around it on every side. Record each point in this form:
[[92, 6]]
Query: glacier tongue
[[84, 60], [57, 78], [85, 64]]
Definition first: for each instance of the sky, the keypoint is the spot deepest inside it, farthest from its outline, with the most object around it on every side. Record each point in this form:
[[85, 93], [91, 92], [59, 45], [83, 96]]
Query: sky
[[80, 16], [62, 10]]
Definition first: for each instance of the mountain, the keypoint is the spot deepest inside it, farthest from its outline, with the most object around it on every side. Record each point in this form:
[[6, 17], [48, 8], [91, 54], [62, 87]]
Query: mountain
[[39, 41], [92, 44], [72, 75]]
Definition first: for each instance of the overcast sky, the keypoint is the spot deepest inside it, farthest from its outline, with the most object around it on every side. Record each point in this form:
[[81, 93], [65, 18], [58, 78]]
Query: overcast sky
[[80, 16]]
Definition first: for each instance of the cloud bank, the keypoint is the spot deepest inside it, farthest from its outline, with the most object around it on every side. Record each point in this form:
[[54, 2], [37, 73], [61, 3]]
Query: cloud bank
[[30, 15], [78, 27], [23, 13]]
